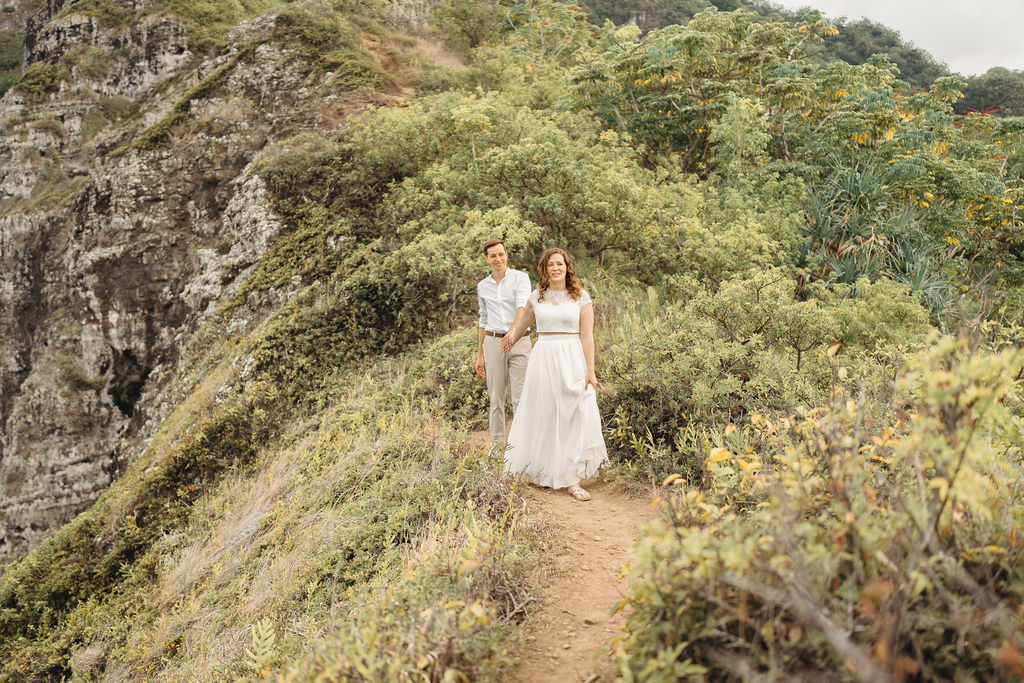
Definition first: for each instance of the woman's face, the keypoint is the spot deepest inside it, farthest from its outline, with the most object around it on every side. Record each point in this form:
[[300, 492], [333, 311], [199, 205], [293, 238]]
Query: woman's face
[[556, 269]]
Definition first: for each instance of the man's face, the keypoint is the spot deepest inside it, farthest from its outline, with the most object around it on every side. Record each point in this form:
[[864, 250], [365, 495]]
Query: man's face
[[497, 258]]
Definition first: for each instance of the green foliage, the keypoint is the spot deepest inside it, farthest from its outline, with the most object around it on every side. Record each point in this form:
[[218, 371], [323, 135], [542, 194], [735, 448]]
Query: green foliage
[[727, 96], [93, 62], [548, 31], [671, 88], [858, 229], [998, 88], [858, 41], [468, 25], [677, 370], [325, 41], [209, 21], [108, 12], [75, 378], [39, 80], [855, 43], [12, 48], [581, 188], [441, 376], [859, 541], [260, 654]]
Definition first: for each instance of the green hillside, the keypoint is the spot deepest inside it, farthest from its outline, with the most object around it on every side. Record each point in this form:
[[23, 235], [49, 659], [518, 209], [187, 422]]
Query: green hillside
[[809, 282]]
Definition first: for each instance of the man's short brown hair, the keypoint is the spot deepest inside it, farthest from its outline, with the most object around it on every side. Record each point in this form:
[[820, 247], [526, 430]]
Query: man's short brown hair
[[490, 243]]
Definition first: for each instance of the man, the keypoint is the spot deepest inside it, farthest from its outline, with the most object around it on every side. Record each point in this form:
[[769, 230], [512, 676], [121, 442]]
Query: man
[[502, 297]]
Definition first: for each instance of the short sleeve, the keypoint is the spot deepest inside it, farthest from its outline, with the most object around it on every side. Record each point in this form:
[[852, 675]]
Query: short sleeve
[[585, 299], [522, 290], [534, 297]]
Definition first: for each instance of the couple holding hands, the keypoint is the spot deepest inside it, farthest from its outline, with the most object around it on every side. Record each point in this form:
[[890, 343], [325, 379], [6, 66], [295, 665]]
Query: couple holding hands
[[555, 438]]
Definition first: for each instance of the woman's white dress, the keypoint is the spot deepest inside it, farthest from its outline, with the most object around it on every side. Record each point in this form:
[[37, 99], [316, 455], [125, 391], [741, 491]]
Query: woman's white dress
[[555, 438]]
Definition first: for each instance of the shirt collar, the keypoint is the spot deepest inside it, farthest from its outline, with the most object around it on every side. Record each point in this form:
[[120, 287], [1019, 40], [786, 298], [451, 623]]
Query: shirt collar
[[490, 276]]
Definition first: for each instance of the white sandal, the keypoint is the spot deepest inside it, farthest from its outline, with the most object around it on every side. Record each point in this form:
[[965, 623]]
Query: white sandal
[[579, 493]]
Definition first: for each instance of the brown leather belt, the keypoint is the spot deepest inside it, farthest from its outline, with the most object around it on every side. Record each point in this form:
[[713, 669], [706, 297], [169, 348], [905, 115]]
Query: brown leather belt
[[499, 335]]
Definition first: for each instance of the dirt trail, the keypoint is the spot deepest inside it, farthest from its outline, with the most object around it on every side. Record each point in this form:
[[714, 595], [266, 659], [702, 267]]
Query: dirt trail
[[572, 621]]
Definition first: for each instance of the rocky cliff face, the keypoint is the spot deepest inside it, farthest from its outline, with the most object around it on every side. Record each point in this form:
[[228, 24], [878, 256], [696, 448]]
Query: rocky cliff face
[[112, 253]]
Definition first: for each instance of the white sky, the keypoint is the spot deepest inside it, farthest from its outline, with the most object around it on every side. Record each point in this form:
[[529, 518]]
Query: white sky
[[970, 36]]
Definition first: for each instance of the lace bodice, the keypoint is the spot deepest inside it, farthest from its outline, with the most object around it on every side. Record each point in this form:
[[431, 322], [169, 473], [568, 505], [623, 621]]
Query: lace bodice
[[558, 312]]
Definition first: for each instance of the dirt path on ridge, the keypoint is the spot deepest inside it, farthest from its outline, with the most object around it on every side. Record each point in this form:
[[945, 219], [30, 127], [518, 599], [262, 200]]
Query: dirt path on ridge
[[572, 619]]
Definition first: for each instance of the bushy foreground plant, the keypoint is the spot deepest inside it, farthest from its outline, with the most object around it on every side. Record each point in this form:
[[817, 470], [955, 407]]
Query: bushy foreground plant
[[863, 540]]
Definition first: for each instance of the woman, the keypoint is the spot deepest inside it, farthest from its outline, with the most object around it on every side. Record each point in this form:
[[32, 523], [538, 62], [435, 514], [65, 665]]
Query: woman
[[555, 437]]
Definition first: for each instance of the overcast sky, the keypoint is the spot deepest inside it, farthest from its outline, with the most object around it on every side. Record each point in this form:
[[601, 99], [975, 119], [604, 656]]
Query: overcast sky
[[970, 36]]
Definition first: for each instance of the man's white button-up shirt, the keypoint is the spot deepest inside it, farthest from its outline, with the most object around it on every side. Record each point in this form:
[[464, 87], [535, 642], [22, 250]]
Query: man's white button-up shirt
[[499, 301]]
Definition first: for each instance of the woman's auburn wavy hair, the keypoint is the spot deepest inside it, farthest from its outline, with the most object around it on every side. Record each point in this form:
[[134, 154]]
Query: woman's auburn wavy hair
[[572, 283]]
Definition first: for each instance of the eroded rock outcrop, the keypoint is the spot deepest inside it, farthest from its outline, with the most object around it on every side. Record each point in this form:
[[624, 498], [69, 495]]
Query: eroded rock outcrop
[[112, 253]]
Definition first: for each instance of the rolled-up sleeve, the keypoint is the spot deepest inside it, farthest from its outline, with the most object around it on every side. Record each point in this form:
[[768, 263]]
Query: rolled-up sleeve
[[483, 308], [522, 291]]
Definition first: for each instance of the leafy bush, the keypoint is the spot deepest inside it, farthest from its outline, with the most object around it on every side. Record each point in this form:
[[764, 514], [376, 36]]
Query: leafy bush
[[678, 371], [326, 41], [92, 62], [209, 21], [467, 25], [869, 540], [12, 48], [40, 80], [446, 379], [108, 12]]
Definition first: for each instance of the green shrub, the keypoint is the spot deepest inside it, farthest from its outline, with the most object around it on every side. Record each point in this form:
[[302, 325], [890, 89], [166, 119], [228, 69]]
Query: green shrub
[[40, 80], [467, 25], [677, 370], [209, 21], [74, 377], [856, 541], [441, 375], [12, 48], [108, 12], [93, 62], [327, 41]]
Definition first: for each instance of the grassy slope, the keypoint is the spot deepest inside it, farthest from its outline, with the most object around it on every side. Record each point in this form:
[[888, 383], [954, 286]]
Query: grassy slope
[[267, 527], [252, 535]]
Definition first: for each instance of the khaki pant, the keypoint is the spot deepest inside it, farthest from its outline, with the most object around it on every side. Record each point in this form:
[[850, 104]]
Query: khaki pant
[[505, 375]]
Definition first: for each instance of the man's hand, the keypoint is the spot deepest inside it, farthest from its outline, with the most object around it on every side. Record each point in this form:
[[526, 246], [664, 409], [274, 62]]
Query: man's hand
[[480, 365], [506, 343]]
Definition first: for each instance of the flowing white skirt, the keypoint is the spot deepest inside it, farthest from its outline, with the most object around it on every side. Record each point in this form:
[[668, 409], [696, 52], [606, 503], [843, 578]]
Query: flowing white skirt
[[555, 438]]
